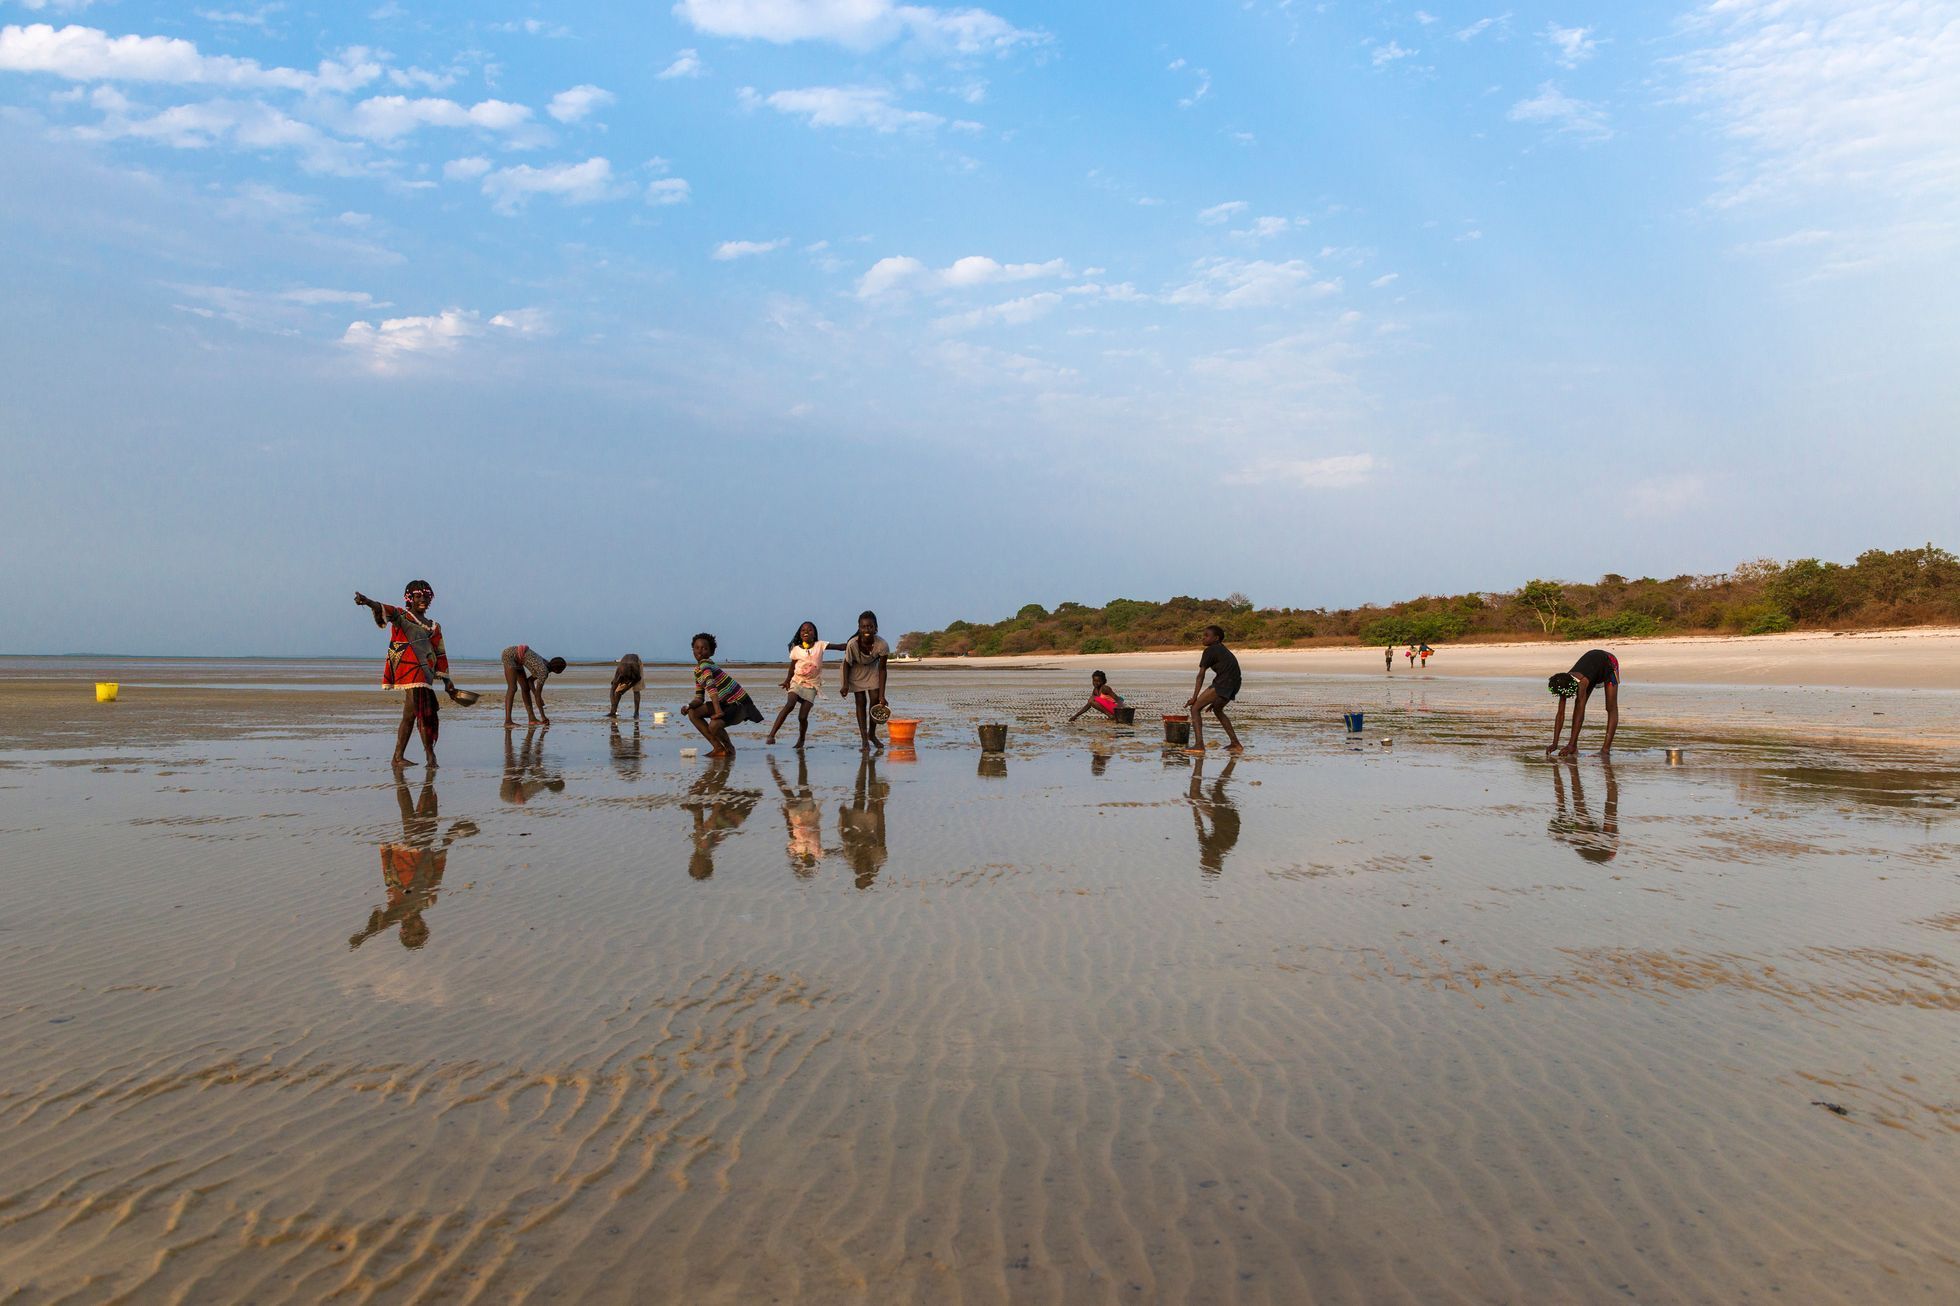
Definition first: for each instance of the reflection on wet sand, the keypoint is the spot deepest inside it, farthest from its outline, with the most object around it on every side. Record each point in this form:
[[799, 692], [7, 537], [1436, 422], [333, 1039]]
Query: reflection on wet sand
[[993, 766], [718, 812], [802, 818], [626, 751], [1574, 826], [1223, 834], [525, 776], [412, 870], [861, 824]]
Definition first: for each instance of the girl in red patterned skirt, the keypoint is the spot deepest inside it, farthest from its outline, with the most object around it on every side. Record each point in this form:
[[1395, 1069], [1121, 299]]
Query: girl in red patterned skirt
[[416, 660]]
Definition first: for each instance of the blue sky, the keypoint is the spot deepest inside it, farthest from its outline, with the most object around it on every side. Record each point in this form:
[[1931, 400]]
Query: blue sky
[[621, 321]]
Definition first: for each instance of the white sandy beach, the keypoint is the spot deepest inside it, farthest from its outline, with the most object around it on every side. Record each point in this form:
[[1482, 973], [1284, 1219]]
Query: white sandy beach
[[1917, 658]]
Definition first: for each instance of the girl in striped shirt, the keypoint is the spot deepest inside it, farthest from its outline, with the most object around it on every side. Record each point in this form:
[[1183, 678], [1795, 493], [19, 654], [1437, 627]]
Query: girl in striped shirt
[[719, 702]]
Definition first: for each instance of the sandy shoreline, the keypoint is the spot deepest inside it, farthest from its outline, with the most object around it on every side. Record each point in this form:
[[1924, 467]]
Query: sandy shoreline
[[1916, 658]]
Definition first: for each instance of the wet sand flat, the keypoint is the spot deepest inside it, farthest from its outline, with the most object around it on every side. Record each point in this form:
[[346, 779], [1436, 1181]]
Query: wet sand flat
[[1093, 1021]]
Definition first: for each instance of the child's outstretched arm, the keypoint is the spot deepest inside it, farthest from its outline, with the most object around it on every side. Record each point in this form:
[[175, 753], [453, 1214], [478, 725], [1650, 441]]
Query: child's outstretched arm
[[1558, 727]]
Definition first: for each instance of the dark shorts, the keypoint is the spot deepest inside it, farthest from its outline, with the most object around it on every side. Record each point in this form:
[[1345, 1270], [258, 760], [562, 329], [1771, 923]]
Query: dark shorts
[[1225, 693], [740, 713]]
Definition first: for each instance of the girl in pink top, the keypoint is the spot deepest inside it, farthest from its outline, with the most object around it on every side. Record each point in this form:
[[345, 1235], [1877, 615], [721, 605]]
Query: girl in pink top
[[803, 680]]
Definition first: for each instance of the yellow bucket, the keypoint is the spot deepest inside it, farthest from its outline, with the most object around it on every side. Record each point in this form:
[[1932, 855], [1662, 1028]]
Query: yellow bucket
[[105, 691]]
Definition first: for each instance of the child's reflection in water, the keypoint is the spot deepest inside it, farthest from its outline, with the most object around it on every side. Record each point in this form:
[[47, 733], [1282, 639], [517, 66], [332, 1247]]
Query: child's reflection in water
[[1596, 841], [525, 776], [802, 818], [718, 812], [411, 871], [1223, 836], [626, 752], [861, 824]]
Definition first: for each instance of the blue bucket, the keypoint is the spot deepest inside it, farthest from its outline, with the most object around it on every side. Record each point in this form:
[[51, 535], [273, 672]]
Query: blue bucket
[[1352, 720]]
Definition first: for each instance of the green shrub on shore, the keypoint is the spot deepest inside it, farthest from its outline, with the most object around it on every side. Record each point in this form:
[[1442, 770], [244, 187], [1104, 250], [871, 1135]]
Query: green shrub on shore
[[1901, 587]]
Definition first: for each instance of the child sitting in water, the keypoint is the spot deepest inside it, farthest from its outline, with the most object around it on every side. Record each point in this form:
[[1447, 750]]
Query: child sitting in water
[[1101, 697]]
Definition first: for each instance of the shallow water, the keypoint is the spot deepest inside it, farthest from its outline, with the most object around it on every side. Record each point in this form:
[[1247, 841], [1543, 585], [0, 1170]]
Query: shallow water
[[1436, 1021]]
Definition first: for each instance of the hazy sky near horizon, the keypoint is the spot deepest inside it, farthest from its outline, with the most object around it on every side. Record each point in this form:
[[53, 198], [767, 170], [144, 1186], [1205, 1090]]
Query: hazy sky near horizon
[[621, 321]]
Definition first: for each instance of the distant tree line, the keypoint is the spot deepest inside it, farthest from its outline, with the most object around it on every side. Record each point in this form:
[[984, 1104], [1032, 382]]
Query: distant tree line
[[1903, 587]]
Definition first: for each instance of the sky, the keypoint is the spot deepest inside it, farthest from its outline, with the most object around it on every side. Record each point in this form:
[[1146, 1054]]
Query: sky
[[618, 321]]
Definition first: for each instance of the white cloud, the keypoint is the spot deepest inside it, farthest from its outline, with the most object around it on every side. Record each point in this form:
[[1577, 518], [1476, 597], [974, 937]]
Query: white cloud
[[1248, 283], [92, 55], [734, 249], [1665, 496], [465, 169], [902, 272], [1264, 229], [1426, 18], [1386, 279], [687, 63], [575, 183], [533, 27], [985, 366], [526, 322], [245, 124], [388, 118], [1014, 312], [847, 106], [1337, 472], [1555, 109], [889, 274], [857, 24], [1221, 212], [663, 191], [282, 312], [398, 340], [1200, 91], [1388, 54], [1478, 28], [1571, 46], [579, 101], [62, 6], [259, 18], [1836, 105]]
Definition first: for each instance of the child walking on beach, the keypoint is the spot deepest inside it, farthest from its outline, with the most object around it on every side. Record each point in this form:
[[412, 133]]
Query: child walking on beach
[[803, 680], [416, 659], [1224, 667], [1101, 697], [525, 670], [865, 656], [719, 702], [1595, 667], [1388, 659]]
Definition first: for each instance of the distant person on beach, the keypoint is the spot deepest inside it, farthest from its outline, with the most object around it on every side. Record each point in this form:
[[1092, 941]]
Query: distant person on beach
[[803, 681], [631, 673], [1594, 669], [416, 660], [719, 702], [1411, 655], [1425, 650], [1224, 667], [1388, 659], [865, 656], [525, 671], [1101, 697]]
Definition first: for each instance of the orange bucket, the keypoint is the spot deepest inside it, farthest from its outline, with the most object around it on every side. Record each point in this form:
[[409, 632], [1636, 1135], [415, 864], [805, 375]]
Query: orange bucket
[[903, 731]]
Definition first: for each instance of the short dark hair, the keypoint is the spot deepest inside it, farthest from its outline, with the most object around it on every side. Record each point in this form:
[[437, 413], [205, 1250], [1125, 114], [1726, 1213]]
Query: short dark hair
[[1097, 675], [1215, 630], [868, 613], [418, 585], [1563, 683], [557, 665], [704, 635]]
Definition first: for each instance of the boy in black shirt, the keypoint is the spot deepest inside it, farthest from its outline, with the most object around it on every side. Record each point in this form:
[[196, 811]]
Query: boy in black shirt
[[1224, 667], [1595, 667]]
